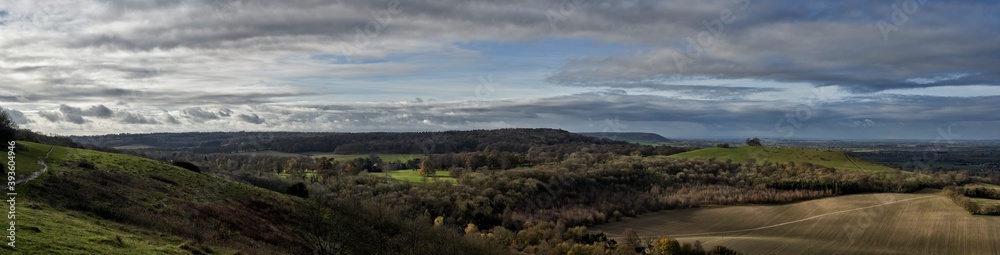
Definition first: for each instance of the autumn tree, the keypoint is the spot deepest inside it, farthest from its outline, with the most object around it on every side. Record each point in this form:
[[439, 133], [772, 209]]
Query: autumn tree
[[667, 246], [426, 168]]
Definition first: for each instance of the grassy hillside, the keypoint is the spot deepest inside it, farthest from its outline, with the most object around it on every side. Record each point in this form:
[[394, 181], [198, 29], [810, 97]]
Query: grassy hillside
[[856, 224], [835, 159], [43, 229], [93, 202], [88, 200]]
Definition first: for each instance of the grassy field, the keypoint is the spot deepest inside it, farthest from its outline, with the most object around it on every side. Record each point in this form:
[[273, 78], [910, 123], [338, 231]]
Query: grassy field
[[272, 154], [346, 157], [834, 159], [924, 223], [413, 176]]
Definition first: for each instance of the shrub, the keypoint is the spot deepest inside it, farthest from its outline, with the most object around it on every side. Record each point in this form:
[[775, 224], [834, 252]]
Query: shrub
[[85, 164]]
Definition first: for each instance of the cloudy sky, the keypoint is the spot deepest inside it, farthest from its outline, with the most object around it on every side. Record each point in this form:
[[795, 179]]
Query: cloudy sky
[[852, 69]]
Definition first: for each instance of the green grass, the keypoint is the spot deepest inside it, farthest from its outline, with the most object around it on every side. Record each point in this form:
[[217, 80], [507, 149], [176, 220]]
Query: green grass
[[46, 230], [76, 210], [835, 159], [272, 154], [413, 176], [347, 157]]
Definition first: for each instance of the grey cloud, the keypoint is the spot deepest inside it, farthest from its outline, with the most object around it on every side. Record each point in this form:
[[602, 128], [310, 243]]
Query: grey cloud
[[172, 120], [99, 111], [48, 93], [252, 118], [199, 114], [132, 118], [18, 116], [821, 44], [50, 116]]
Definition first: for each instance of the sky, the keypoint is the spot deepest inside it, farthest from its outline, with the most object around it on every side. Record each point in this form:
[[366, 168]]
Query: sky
[[852, 69]]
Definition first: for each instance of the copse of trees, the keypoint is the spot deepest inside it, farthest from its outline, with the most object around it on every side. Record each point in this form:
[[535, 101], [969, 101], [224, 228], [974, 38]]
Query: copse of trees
[[8, 128], [753, 142]]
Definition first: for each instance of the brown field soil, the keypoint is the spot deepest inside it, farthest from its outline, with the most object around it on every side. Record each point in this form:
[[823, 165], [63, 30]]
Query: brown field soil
[[893, 223]]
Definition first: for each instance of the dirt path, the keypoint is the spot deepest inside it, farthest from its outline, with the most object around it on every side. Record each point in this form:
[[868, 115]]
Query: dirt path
[[854, 162], [45, 168], [797, 221]]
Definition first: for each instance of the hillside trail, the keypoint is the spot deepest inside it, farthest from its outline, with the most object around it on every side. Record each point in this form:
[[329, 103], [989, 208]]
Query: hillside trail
[[45, 168], [854, 162], [799, 220]]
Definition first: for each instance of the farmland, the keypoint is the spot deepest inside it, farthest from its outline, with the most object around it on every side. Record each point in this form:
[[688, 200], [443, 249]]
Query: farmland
[[892, 223]]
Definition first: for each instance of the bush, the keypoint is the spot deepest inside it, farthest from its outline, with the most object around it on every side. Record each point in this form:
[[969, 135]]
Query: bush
[[722, 145], [85, 164]]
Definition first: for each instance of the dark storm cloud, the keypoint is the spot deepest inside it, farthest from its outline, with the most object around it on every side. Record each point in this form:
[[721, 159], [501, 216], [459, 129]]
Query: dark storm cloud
[[252, 118]]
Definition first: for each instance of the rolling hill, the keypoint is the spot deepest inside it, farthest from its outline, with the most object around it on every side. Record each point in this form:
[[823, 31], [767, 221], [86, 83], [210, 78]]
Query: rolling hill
[[92, 202], [890, 223], [632, 137], [835, 159]]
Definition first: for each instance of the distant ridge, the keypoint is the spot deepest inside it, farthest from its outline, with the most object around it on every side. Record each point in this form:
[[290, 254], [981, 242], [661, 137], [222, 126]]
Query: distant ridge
[[509, 139], [829, 158], [632, 137]]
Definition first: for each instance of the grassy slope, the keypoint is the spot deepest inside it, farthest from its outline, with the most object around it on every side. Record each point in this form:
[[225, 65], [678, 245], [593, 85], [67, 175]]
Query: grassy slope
[[928, 224], [157, 208], [122, 184], [835, 159], [46, 230]]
